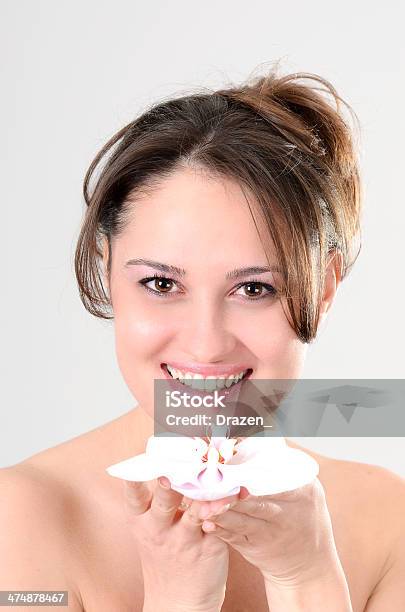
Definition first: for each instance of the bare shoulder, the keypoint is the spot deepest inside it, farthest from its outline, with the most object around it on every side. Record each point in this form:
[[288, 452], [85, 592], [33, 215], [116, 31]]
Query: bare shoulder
[[378, 505], [365, 483], [35, 543], [349, 483], [371, 495], [367, 506]]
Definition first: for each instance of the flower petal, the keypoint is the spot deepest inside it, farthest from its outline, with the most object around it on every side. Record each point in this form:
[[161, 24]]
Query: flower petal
[[142, 468], [289, 470], [251, 448], [175, 446], [210, 493], [263, 465], [226, 448]]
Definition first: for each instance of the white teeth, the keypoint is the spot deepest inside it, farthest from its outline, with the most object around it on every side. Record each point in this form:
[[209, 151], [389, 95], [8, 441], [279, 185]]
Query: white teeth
[[187, 380], [205, 383], [220, 382]]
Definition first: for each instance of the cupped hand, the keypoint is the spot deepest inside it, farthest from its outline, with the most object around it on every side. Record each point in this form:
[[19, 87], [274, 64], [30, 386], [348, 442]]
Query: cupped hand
[[287, 536], [183, 567]]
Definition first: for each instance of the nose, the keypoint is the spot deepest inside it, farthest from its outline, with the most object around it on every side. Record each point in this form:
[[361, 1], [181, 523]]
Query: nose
[[206, 336]]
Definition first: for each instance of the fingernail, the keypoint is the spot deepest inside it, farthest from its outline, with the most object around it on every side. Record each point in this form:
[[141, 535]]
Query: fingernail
[[223, 509], [208, 526], [164, 482]]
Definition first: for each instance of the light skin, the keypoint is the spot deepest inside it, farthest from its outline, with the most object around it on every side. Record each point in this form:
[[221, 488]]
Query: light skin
[[203, 225]]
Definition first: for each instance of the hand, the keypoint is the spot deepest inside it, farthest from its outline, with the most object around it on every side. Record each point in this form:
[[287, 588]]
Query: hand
[[287, 536], [183, 568]]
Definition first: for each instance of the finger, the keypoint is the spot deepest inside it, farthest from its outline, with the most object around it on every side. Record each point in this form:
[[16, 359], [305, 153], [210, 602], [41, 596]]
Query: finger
[[263, 507], [241, 525], [267, 507], [243, 493], [214, 507], [293, 494], [165, 502], [137, 497], [191, 520], [235, 539]]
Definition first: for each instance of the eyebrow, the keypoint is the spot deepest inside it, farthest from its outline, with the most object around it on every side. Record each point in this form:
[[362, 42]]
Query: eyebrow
[[175, 271]]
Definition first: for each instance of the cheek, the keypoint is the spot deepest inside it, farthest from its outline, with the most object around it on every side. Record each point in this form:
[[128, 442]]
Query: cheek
[[279, 353], [140, 326], [139, 333], [139, 337]]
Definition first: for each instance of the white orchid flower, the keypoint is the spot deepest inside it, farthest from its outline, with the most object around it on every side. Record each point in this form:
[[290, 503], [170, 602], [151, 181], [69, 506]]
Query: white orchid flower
[[215, 467]]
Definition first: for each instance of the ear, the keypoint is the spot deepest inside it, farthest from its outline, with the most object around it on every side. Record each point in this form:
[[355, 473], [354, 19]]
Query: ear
[[333, 277], [105, 251], [105, 254]]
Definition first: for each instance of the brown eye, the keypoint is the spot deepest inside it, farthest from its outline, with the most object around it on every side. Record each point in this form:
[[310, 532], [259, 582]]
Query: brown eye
[[253, 289], [161, 284]]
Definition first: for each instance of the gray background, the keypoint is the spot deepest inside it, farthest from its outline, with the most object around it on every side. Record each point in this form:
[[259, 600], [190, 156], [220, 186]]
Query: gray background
[[72, 73]]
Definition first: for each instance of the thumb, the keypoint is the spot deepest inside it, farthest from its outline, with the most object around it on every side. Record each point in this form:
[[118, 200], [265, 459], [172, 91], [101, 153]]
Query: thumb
[[137, 497]]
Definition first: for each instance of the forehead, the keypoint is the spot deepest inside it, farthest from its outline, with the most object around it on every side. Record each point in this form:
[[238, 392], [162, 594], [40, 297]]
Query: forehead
[[192, 214]]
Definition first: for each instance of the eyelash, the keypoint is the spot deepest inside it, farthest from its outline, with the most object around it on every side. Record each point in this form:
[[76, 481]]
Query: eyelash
[[271, 290]]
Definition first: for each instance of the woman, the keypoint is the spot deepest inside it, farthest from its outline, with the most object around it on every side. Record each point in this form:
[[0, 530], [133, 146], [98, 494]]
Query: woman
[[263, 175]]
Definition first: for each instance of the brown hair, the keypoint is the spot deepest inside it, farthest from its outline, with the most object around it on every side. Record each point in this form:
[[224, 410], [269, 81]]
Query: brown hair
[[289, 149]]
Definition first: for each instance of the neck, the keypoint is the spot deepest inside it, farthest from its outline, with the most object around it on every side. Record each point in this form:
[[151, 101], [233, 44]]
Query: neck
[[135, 427]]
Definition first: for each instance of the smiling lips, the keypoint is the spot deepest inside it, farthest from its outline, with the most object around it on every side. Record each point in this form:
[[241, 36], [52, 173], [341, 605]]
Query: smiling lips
[[196, 380]]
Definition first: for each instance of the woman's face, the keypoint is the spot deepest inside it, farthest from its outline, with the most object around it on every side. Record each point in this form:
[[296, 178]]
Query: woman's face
[[204, 226]]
